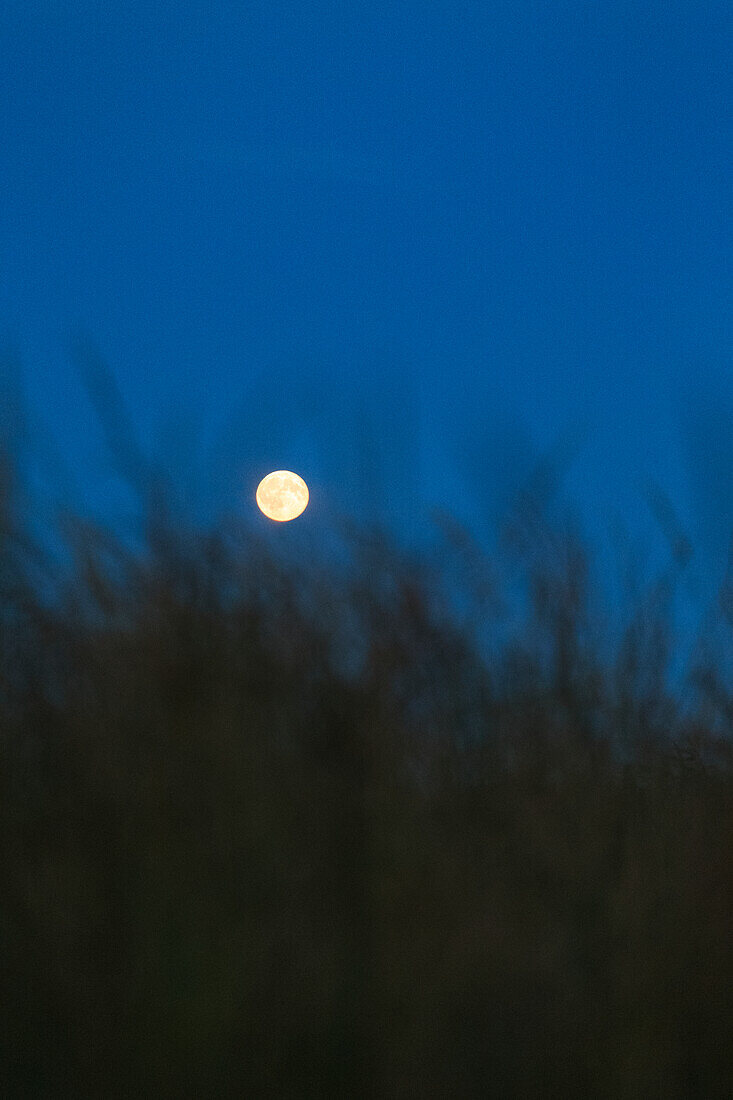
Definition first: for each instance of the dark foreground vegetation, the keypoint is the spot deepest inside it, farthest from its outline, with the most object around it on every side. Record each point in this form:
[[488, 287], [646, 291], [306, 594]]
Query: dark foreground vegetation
[[339, 825]]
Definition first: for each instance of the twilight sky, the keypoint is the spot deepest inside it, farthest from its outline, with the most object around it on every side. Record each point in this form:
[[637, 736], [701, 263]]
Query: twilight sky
[[402, 249]]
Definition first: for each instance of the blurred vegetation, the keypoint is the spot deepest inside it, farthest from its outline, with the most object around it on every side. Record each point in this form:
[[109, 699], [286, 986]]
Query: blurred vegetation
[[344, 824]]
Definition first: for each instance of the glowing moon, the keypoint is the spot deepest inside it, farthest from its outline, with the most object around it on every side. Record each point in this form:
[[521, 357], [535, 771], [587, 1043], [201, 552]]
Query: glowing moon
[[282, 495]]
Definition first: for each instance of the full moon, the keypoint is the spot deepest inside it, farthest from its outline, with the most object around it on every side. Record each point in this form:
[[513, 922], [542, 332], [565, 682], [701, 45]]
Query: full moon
[[282, 495]]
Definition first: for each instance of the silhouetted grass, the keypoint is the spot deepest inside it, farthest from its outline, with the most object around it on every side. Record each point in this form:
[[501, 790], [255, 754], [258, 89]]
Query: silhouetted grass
[[345, 826]]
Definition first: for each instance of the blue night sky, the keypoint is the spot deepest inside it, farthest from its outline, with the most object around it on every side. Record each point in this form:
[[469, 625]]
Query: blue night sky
[[402, 249]]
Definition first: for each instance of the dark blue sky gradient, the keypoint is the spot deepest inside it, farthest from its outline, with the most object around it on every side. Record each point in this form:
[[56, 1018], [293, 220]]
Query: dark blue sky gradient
[[402, 249]]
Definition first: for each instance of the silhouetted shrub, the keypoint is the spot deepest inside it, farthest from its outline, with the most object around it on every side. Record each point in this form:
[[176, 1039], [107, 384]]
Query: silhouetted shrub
[[328, 827]]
